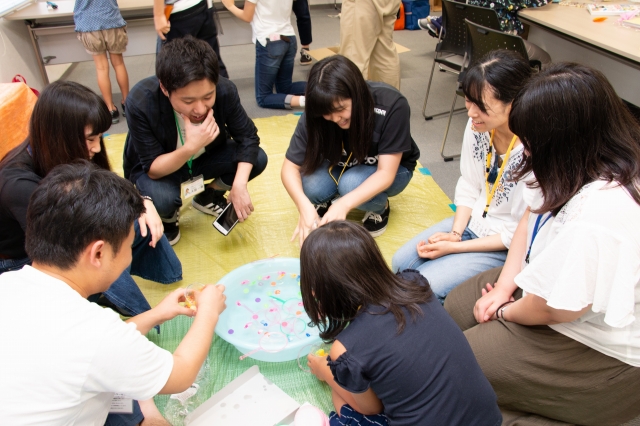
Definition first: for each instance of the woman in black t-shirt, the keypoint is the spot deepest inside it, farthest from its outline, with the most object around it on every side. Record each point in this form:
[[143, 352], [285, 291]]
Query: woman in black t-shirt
[[67, 124], [352, 148], [395, 350]]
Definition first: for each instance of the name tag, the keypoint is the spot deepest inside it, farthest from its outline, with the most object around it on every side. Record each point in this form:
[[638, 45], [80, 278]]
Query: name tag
[[480, 227], [192, 187], [120, 404]]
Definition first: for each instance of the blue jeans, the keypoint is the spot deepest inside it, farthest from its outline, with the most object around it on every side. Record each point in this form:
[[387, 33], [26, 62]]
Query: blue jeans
[[7, 265], [320, 188], [133, 419], [159, 264], [274, 66], [447, 272], [303, 21], [219, 163]]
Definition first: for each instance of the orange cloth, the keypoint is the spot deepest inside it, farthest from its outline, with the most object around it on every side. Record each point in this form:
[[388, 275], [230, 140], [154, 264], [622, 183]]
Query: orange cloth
[[16, 103]]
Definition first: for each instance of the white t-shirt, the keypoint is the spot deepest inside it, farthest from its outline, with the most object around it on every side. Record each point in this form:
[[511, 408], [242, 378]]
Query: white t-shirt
[[507, 206], [181, 5], [590, 254], [271, 17], [62, 357]]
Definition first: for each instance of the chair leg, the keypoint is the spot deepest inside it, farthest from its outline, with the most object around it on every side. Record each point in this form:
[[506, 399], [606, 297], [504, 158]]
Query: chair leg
[[447, 158], [424, 106]]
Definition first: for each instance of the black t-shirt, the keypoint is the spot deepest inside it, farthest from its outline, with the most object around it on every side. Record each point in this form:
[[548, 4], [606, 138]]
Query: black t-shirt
[[17, 183], [391, 133], [427, 375]]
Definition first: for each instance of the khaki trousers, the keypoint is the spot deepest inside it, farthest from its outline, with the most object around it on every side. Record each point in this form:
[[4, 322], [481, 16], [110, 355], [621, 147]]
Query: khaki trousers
[[366, 38], [538, 370]]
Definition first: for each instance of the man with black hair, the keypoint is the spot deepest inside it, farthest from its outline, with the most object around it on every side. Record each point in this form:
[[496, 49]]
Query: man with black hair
[[63, 357], [186, 125]]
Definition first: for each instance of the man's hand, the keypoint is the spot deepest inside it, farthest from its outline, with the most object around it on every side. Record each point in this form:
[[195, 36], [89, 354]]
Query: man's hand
[[318, 366], [162, 25], [200, 135], [239, 196], [211, 300], [151, 219], [308, 221], [435, 250], [170, 306]]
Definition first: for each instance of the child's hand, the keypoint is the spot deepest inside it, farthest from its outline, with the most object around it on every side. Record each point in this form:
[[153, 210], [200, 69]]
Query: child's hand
[[318, 366]]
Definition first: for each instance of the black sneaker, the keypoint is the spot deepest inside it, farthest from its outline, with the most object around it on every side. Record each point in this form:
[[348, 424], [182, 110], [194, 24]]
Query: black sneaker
[[305, 58], [210, 202], [115, 116], [172, 228], [376, 223], [123, 114], [323, 208]]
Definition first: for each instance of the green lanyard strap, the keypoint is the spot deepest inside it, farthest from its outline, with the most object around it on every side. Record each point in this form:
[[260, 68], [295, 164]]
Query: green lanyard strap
[[190, 160]]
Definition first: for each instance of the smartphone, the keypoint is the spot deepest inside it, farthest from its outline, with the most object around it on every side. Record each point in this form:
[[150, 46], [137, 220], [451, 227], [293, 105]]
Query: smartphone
[[227, 220]]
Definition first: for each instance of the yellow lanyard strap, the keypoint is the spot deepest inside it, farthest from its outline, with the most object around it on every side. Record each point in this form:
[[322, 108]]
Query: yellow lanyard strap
[[488, 168], [343, 169]]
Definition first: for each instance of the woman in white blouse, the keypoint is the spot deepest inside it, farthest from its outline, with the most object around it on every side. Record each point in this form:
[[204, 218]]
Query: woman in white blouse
[[559, 331], [488, 200]]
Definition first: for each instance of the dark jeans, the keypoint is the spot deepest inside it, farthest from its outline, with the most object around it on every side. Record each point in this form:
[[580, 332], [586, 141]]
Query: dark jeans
[[303, 21], [199, 22], [159, 264], [219, 162], [132, 419], [274, 66]]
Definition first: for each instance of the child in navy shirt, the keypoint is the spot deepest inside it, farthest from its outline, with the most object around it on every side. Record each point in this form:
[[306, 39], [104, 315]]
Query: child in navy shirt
[[397, 356]]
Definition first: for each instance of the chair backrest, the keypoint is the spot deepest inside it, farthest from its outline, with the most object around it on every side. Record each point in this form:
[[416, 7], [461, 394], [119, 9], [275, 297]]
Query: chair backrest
[[454, 30], [483, 40]]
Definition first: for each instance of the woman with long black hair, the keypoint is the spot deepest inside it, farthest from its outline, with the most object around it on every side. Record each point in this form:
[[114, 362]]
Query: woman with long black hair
[[352, 148], [559, 333], [67, 124]]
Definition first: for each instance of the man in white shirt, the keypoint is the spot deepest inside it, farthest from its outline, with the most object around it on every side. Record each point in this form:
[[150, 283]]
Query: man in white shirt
[[63, 358]]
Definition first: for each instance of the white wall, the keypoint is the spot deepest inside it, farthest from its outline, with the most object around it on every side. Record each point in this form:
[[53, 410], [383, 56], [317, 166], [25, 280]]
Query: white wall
[[17, 55]]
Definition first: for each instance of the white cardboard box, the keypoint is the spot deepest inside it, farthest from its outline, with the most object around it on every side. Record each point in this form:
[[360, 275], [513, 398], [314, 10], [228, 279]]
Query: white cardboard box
[[251, 400]]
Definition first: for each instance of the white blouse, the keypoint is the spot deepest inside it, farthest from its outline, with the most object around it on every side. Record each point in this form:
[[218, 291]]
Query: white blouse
[[507, 205], [589, 254]]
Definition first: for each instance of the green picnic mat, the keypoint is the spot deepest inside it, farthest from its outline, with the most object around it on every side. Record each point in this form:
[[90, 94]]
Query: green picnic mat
[[207, 256]]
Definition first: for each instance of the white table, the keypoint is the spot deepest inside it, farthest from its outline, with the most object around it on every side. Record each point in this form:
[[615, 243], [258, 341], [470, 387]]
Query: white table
[[569, 34]]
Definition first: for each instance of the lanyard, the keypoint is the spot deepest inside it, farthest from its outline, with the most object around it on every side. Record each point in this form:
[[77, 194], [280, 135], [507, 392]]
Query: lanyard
[[536, 228], [343, 169], [488, 168], [190, 160]]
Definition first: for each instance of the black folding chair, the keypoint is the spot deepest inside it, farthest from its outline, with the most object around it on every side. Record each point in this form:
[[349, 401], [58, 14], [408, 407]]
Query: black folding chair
[[450, 50], [480, 41]]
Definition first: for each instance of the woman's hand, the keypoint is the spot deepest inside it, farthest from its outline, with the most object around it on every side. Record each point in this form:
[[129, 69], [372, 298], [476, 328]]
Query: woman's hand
[[151, 219], [309, 220], [492, 298], [435, 250], [318, 366], [444, 236], [337, 211]]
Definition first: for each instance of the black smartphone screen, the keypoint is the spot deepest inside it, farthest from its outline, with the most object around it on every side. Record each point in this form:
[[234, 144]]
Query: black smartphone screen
[[228, 218]]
